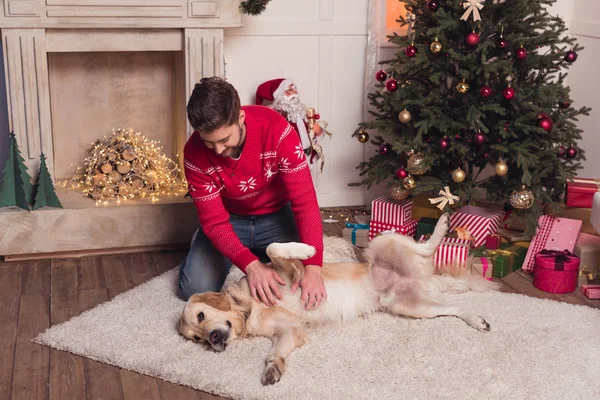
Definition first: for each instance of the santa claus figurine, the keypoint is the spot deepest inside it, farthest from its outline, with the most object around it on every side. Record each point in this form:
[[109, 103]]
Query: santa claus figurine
[[283, 97]]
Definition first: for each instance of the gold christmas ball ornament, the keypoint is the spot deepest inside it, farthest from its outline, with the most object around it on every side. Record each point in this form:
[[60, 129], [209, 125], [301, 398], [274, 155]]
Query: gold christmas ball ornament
[[462, 87], [416, 164], [397, 192], [404, 116], [501, 168], [458, 175], [435, 46], [409, 183], [363, 137], [521, 198]]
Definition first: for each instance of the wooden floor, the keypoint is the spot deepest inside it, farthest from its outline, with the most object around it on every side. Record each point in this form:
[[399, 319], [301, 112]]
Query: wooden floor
[[37, 294]]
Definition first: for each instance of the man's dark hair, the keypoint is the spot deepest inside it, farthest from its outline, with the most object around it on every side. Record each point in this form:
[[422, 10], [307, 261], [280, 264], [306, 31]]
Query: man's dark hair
[[214, 103]]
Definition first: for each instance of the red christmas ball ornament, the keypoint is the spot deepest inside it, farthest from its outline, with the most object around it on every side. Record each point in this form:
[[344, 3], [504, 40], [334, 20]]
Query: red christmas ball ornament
[[381, 76], [564, 104], [472, 39], [570, 56], [385, 149], [433, 5], [572, 152], [401, 173], [479, 138], [502, 43], [485, 91], [521, 53], [391, 85], [546, 123], [561, 151], [444, 144], [508, 93], [411, 51]]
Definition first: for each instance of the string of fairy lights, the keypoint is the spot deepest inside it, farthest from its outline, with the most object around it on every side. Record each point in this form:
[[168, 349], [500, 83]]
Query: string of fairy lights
[[334, 215], [126, 165]]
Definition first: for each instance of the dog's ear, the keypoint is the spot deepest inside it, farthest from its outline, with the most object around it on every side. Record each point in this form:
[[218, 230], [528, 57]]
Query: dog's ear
[[213, 299]]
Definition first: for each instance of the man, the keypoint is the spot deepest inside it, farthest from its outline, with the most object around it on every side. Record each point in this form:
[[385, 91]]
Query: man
[[251, 184]]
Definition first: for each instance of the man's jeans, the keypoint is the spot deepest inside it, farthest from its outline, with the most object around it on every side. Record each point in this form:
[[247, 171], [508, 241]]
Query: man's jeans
[[204, 269]]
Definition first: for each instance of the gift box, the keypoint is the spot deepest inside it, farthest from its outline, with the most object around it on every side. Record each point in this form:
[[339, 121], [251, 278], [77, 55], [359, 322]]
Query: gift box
[[357, 234], [482, 266], [381, 227], [512, 235], [452, 252], [422, 207], [580, 192], [592, 292], [480, 222], [556, 271], [492, 242], [508, 258], [425, 226], [595, 217], [388, 214], [512, 222], [589, 263], [553, 233]]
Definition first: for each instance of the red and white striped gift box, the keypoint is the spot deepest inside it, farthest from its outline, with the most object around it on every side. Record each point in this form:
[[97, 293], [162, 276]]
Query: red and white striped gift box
[[394, 212], [376, 227], [480, 222], [452, 252]]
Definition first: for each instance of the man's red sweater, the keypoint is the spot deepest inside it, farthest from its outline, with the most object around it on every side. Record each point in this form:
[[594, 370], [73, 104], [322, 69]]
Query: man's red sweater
[[271, 171]]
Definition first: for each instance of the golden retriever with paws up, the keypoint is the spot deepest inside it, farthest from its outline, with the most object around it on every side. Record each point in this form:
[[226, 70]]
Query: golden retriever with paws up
[[398, 278]]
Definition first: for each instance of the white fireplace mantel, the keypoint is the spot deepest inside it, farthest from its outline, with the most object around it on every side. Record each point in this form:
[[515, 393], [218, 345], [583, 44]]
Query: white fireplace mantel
[[32, 30]]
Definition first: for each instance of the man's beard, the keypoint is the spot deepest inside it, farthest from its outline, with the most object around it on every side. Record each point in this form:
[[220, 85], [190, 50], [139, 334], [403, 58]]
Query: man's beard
[[290, 106], [236, 152]]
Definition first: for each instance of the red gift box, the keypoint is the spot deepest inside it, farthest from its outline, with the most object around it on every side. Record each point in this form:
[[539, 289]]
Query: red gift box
[[451, 252], [392, 215], [480, 222], [592, 292], [581, 191], [492, 242], [556, 271], [376, 227]]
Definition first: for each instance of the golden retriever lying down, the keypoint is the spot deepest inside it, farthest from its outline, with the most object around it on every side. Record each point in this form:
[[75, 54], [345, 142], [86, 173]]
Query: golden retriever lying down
[[398, 278]]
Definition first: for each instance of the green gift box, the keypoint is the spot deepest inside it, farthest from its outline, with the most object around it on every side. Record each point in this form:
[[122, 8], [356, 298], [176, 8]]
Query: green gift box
[[425, 226], [508, 258]]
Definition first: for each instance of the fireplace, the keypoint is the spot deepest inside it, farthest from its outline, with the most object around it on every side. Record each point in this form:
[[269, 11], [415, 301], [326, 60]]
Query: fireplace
[[75, 70]]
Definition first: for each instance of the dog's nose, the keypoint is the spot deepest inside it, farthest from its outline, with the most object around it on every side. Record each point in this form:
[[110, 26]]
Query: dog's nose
[[217, 336]]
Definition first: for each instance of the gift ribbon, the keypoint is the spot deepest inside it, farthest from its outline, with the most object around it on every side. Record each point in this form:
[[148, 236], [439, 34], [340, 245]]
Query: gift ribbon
[[485, 264], [585, 272], [354, 228], [472, 6], [498, 252], [445, 198], [561, 257]]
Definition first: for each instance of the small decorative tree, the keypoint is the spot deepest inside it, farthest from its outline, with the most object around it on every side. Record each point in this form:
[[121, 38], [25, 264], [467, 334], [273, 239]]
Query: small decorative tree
[[45, 195], [16, 187]]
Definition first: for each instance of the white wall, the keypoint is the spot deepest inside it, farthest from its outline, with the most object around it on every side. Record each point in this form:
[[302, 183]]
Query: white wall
[[320, 45], [584, 25]]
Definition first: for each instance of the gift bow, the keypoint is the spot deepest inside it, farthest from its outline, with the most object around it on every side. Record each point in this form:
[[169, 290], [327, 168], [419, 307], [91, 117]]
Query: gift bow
[[445, 198], [561, 257], [472, 6], [589, 274], [498, 252]]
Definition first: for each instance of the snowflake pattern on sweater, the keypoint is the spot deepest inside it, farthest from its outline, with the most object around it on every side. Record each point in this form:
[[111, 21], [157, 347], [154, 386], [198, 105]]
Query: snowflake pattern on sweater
[[271, 171]]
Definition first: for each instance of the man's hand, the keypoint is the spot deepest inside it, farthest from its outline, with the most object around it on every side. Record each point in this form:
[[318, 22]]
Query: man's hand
[[313, 288], [263, 282]]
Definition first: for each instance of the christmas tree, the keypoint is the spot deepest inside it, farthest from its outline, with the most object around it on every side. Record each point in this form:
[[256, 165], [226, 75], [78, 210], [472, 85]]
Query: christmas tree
[[45, 195], [16, 189], [477, 84]]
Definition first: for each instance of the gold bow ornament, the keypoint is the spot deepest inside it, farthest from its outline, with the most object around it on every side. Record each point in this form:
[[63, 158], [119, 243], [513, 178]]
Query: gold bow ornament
[[445, 198], [472, 6], [588, 274]]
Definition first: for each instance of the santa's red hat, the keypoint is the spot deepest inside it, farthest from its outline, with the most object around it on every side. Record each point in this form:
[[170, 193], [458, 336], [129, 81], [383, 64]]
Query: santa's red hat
[[271, 90]]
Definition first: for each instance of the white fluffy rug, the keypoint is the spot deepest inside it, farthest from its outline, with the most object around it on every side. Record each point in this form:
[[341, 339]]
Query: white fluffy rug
[[536, 349]]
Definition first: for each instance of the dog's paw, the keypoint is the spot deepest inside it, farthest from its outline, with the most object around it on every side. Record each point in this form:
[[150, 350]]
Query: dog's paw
[[271, 374], [291, 250], [479, 323], [442, 226]]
